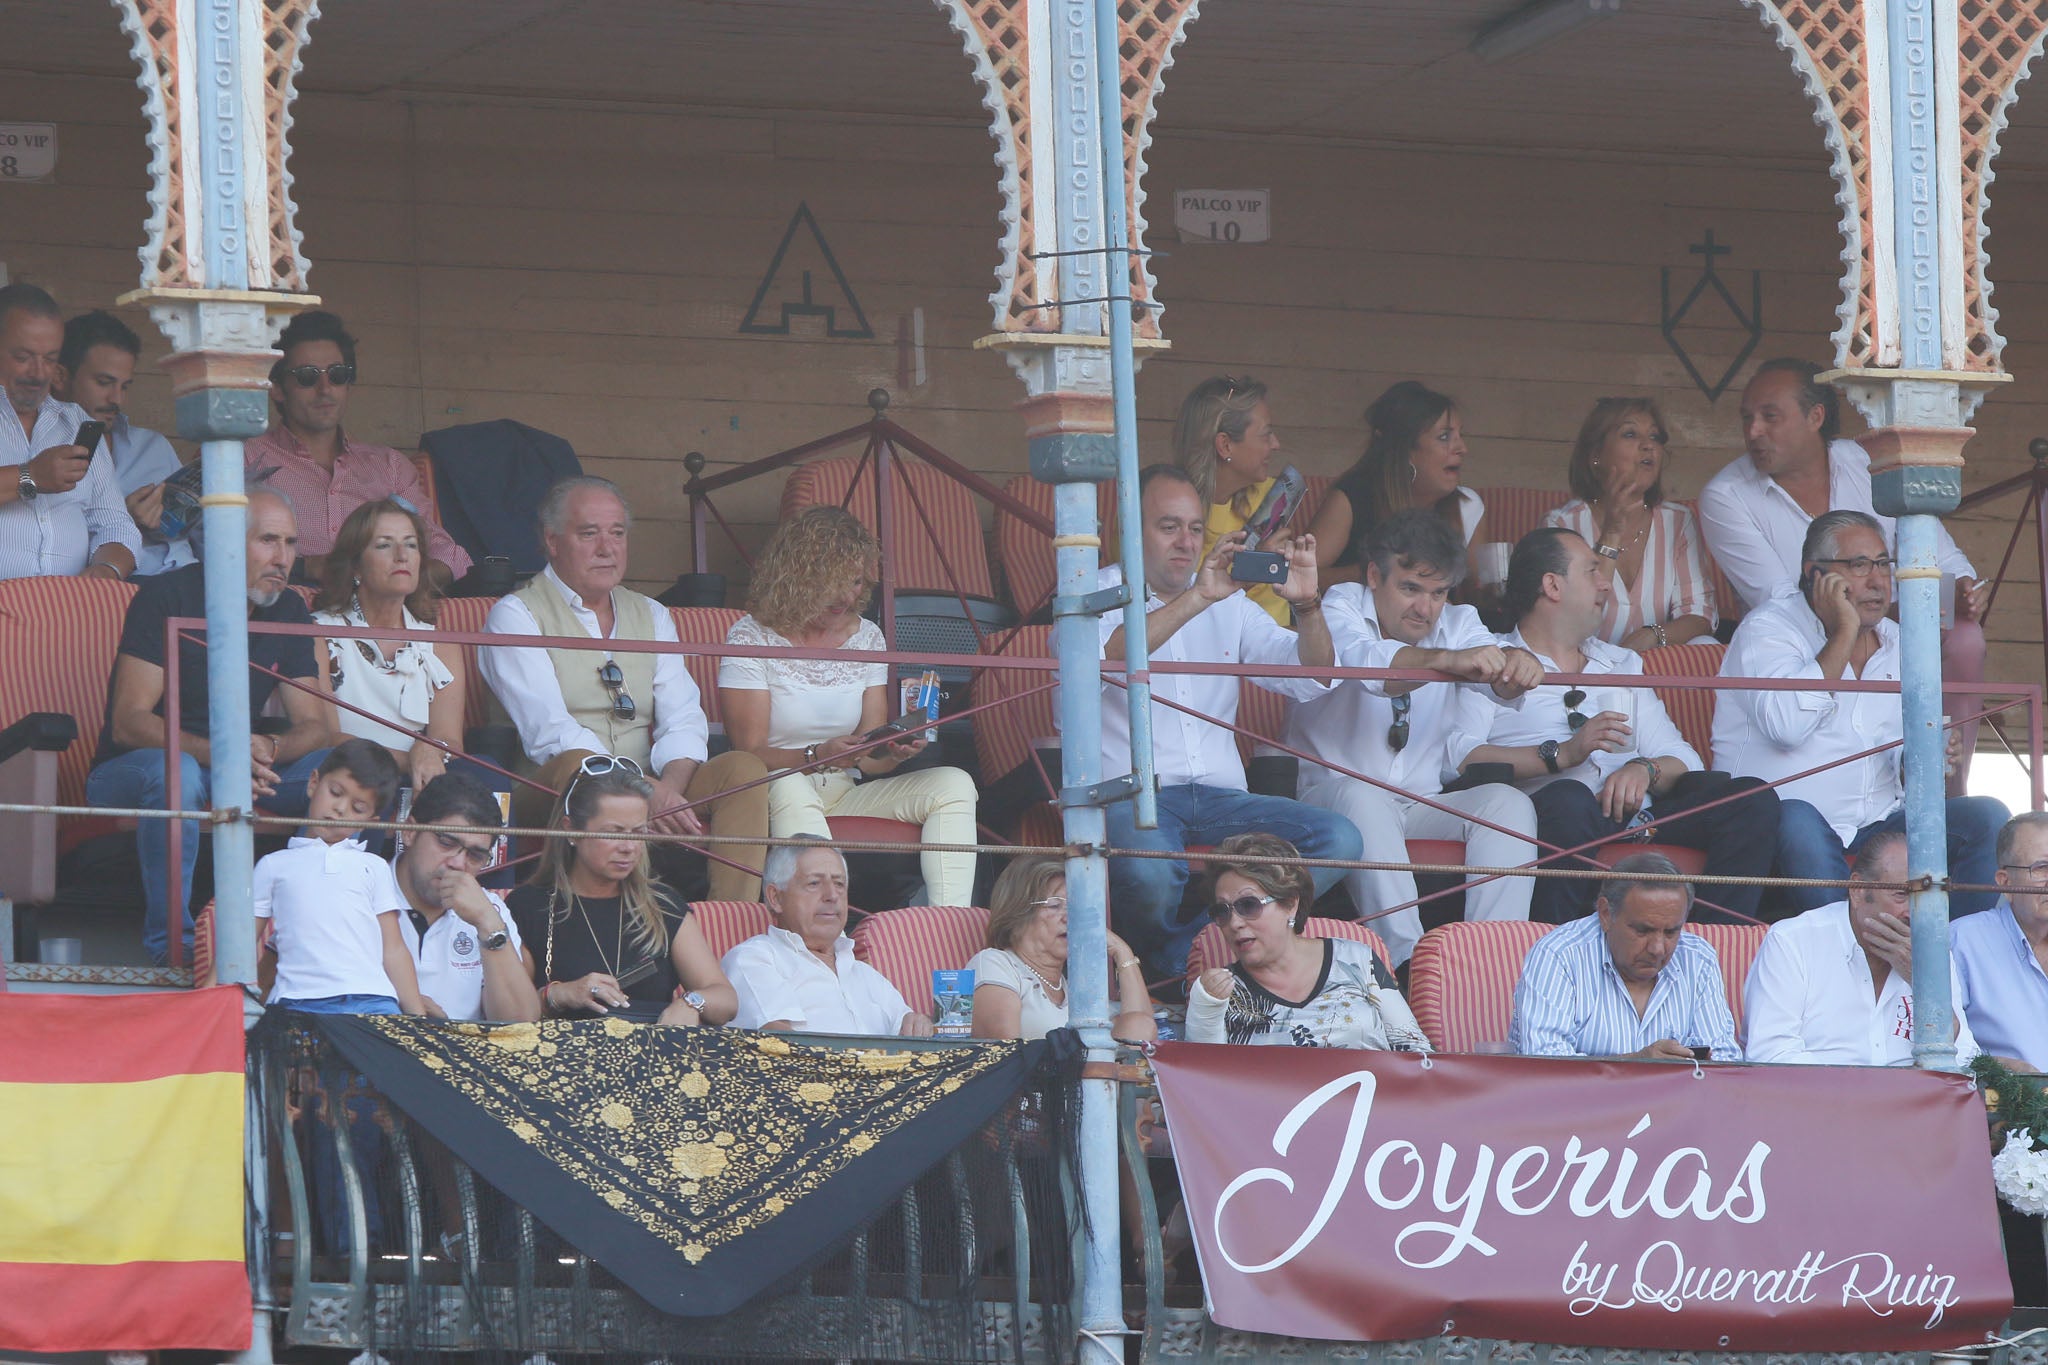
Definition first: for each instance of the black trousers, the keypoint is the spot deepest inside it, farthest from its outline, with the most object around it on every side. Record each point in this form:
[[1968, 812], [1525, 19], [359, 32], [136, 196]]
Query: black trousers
[[1739, 838]]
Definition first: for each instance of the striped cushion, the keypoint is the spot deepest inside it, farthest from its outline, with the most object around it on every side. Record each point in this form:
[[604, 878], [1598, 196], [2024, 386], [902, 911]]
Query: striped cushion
[[1691, 708], [464, 615], [1004, 735], [58, 638], [727, 924], [908, 945], [918, 560], [1211, 949], [705, 626], [1026, 552], [1040, 827], [1737, 946], [430, 501], [1512, 513], [1262, 712]]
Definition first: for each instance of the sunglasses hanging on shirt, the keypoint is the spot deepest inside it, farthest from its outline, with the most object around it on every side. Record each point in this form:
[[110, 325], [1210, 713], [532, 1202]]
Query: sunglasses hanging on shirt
[[1397, 733]]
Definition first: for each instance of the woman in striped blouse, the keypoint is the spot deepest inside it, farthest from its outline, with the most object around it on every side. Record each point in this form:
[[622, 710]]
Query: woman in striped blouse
[[1662, 592]]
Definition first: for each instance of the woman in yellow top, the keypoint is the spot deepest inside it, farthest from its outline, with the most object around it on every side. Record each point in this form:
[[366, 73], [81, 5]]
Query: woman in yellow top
[[1224, 439]]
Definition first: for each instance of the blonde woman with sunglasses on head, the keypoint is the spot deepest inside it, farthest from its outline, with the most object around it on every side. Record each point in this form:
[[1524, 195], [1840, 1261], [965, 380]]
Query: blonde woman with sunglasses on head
[[609, 938]]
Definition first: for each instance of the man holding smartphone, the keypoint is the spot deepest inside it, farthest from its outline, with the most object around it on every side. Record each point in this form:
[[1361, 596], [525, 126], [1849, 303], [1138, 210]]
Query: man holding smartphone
[[61, 511], [1197, 612], [1829, 626]]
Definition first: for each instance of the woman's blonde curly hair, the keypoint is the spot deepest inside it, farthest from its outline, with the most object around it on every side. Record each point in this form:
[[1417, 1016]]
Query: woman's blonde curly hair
[[806, 562]]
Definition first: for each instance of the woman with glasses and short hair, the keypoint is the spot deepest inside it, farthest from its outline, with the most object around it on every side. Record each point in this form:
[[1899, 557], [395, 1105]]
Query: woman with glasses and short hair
[[1020, 979], [1287, 990], [607, 936], [812, 717]]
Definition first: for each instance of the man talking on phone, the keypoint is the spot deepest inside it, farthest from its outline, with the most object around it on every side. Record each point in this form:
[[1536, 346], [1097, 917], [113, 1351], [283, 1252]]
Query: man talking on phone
[[1831, 626], [1198, 612], [61, 510]]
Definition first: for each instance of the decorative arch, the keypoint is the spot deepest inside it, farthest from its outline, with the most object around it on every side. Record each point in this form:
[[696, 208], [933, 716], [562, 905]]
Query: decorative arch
[[1999, 40]]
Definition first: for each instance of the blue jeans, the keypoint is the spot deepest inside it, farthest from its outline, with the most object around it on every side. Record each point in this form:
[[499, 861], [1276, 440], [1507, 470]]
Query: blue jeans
[[1808, 847], [341, 1004], [139, 779], [1145, 893]]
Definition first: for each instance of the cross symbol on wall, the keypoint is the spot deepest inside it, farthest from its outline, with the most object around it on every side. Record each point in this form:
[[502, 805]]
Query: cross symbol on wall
[[1710, 249], [1750, 320]]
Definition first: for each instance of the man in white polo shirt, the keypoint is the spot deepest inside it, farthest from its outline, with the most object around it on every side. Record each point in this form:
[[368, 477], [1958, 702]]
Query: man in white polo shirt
[[1399, 732], [464, 945], [1834, 986], [802, 973]]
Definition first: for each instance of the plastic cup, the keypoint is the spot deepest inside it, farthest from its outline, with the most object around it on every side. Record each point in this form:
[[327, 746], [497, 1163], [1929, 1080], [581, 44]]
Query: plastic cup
[[1490, 563], [62, 952]]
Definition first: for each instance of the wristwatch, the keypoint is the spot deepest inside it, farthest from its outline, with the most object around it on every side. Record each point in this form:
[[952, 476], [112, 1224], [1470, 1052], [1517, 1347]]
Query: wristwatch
[[1547, 751], [857, 774], [1607, 551], [810, 753], [493, 942], [28, 485], [695, 1000]]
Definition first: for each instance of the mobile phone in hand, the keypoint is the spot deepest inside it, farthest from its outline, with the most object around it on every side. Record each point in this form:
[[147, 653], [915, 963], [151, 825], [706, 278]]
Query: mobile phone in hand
[[1258, 566], [1702, 1053], [90, 434], [894, 727]]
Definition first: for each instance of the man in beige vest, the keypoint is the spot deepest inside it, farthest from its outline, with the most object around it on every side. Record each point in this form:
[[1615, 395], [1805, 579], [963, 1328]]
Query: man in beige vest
[[571, 704]]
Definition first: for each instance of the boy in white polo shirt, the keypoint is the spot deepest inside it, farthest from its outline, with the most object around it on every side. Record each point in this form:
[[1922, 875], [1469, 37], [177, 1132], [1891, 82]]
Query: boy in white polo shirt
[[332, 907]]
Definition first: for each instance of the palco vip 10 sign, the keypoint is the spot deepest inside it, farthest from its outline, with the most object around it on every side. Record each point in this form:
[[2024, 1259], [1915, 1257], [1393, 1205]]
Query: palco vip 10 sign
[[1376, 1196]]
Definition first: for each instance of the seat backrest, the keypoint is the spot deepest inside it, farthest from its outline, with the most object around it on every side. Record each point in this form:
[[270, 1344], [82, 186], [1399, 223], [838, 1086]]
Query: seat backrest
[[58, 638], [466, 615], [1691, 708], [705, 626], [1737, 946], [1461, 981], [1211, 949], [727, 924], [430, 503], [1513, 512], [1262, 712], [1026, 553], [908, 945], [1004, 735], [933, 520]]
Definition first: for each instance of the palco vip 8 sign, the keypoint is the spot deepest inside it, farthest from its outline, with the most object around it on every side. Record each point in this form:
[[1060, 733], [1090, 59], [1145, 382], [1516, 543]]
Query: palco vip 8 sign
[[1378, 1196]]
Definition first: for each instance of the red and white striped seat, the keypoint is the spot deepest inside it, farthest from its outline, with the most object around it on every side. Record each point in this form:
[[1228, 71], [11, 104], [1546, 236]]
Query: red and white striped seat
[[934, 524], [727, 924], [908, 945]]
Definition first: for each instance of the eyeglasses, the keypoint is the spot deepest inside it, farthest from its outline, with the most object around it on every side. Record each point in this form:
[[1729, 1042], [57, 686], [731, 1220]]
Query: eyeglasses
[[340, 374], [1058, 903], [614, 682], [2034, 872], [1861, 565], [1397, 733], [1573, 716], [1244, 907], [477, 858]]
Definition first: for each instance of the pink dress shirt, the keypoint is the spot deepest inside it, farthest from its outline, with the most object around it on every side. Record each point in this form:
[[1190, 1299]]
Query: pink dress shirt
[[362, 473]]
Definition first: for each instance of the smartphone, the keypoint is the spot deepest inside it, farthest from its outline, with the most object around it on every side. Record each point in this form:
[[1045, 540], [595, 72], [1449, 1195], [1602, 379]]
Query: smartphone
[[1278, 507], [1258, 566], [90, 434], [1703, 1054], [1808, 582], [894, 727]]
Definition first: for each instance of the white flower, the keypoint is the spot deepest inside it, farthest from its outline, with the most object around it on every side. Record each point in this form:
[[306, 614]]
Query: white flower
[[2020, 1171]]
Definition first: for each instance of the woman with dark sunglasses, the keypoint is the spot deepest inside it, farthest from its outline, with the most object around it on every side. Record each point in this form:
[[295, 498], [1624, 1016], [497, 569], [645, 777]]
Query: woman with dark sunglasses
[[1285, 989]]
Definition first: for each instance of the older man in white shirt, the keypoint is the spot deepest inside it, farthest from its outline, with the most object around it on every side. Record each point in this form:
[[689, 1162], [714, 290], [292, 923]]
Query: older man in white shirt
[[571, 703], [61, 511], [1399, 732], [1601, 763], [1834, 986], [1830, 627], [802, 973], [1755, 512], [1197, 613]]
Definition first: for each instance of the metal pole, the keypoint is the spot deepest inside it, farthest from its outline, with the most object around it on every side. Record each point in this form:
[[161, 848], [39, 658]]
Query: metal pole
[[227, 699]]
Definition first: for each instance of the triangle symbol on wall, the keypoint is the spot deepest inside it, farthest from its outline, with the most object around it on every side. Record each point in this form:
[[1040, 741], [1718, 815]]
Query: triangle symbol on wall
[[793, 285]]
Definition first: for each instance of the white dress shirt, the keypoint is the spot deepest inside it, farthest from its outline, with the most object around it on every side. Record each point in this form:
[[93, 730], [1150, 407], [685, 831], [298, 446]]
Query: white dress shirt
[[1810, 998], [1570, 1001], [1348, 723], [141, 458], [1187, 750], [449, 958], [323, 901], [1770, 735], [1543, 715], [1755, 529], [56, 534], [777, 977], [524, 680]]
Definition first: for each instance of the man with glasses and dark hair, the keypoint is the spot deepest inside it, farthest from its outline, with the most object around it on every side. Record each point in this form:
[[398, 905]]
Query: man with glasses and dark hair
[[569, 704], [1601, 762], [327, 474], [464, 944], [1399, 732], [1831, 626], [2000, 955]]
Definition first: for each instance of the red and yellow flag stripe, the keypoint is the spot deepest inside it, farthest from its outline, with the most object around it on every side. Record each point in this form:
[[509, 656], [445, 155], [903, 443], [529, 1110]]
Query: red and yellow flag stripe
[[121, 1186]]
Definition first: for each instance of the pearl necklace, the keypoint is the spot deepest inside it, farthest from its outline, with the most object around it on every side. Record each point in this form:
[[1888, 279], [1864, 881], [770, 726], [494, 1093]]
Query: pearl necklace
[[1051, 987]]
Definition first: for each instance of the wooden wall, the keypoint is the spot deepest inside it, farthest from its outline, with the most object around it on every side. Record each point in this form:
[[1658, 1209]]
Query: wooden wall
[[586, 270]]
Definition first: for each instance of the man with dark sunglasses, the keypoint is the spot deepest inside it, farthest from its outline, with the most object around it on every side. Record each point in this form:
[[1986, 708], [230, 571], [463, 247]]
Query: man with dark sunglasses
[[1399, 732], [327, 474], [1602, 763]]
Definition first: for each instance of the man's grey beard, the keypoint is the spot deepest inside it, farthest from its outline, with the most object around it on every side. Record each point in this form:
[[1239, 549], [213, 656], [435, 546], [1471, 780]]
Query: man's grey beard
[[264, 599]]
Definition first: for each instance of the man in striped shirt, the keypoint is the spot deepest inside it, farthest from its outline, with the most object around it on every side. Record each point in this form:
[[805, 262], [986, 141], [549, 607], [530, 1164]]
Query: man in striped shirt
[[1626, 981]]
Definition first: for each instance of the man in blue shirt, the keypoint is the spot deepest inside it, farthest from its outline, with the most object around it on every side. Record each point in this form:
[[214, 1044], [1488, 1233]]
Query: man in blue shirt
[[94, 370], [1999, 954], [1626, 981]]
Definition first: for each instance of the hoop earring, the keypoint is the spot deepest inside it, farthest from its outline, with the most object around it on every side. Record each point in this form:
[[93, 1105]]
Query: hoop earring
[[1411, 471]]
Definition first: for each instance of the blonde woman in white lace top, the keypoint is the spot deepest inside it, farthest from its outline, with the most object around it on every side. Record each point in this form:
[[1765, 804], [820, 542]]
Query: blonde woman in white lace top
[[809, 587]]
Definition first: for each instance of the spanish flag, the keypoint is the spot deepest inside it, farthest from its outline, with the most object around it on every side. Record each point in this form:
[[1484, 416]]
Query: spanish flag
[[121, 1194]]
